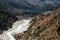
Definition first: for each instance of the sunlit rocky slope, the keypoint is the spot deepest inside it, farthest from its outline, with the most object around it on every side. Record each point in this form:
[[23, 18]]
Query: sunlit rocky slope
[[43, 27]]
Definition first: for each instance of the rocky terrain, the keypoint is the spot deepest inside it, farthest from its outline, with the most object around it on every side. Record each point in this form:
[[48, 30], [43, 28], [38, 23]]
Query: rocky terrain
[[43, 27]]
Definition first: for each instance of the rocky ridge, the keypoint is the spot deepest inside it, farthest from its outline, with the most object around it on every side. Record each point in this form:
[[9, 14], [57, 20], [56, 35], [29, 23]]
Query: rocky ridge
[[43, 27]]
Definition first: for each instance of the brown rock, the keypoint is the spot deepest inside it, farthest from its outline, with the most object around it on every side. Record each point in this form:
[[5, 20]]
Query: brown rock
[[44, 28]]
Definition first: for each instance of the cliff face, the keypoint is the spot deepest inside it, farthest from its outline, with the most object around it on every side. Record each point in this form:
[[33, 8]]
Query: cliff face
[[43, 27], [6, 21]]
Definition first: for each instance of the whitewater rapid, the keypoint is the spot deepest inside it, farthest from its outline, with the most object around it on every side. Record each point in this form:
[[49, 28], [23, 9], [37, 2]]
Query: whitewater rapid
[[18, 27]]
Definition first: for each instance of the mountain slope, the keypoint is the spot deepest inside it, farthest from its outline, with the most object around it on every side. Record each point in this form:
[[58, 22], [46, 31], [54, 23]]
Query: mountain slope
[[44, 27]]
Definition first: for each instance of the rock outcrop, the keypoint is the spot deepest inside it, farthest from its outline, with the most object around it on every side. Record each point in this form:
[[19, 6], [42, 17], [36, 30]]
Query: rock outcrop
[[43, 27]]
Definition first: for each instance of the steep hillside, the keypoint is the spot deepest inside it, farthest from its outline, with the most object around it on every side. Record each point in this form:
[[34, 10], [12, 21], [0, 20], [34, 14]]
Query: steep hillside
[[43, 27]]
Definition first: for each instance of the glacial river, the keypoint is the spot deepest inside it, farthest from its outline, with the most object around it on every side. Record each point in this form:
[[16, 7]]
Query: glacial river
[[18, 27]]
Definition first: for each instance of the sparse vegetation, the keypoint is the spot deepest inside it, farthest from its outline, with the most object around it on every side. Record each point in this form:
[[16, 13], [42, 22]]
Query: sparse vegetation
[[44, 29]]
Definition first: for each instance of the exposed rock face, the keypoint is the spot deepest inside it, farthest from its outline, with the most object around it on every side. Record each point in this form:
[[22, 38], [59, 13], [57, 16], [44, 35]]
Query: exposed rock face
[[6, 21], [43, 27]]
